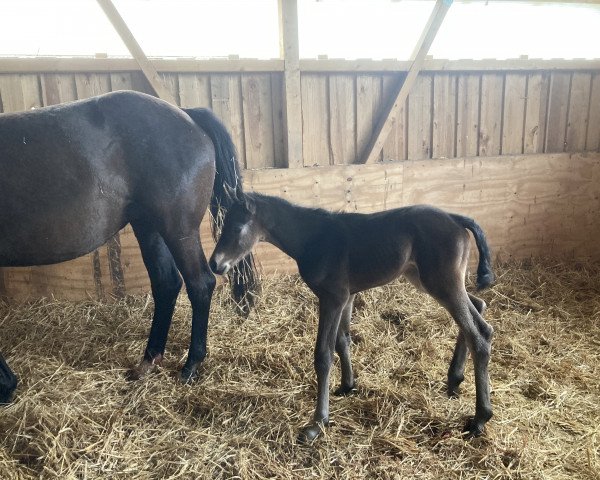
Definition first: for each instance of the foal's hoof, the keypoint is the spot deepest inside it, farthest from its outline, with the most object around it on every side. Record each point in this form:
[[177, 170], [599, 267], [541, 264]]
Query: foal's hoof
[[473, 429], [343, 391], [309, 433], [143, 368], [454, 386], [453, 390]]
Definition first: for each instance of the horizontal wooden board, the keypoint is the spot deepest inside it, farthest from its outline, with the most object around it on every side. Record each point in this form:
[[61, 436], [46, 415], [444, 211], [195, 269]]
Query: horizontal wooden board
[[192, 65]]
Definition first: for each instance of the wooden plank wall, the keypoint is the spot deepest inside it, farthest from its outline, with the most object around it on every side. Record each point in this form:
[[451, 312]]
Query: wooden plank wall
[[449, 114]]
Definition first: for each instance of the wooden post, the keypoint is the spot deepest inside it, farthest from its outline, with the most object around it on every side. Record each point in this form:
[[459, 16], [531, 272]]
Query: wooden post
[[136, 51], [384, 126], [289, 48]]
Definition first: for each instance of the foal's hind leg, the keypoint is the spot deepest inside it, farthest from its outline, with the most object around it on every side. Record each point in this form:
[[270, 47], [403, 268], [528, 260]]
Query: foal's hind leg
[[200, 283], [457, 365], [478, 303], [8, 382], [342, 347], [166, 284], [470, 323], [450, 292]]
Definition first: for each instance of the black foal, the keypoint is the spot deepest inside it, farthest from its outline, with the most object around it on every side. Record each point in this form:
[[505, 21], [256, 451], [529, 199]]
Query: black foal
[[341, 254]]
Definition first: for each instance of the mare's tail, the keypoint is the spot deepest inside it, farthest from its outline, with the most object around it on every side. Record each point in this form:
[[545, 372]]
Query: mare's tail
[[485, 275], [243, 277]]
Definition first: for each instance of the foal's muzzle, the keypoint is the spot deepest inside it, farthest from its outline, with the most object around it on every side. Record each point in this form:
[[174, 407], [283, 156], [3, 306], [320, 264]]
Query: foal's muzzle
[[217, 266]]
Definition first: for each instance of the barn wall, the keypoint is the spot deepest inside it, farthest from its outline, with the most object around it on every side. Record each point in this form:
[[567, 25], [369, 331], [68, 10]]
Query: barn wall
[[447, 114], [530, 205]]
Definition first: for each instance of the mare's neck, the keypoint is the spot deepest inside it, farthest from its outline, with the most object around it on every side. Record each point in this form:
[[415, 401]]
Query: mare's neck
[[288, 227]]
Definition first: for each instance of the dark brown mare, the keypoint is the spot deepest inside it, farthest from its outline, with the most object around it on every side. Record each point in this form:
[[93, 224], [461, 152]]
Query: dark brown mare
[[340, 254], [73, 175]]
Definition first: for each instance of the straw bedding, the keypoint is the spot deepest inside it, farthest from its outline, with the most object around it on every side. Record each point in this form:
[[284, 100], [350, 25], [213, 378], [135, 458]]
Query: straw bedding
[[75, 416]]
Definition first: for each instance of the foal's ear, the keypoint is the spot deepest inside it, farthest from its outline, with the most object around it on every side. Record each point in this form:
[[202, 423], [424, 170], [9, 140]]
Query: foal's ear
[[230, 192], [239, 192], [235, 194], [249, 203]]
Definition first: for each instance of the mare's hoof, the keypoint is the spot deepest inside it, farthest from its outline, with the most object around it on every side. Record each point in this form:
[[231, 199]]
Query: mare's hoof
[[8, 382], [345, 391], [143, 368], [133, 374], [188, 374], [309, 433], [6, 397], [473, 429]]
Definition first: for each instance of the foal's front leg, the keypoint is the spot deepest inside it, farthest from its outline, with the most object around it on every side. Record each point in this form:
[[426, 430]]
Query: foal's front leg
[[330, 311]]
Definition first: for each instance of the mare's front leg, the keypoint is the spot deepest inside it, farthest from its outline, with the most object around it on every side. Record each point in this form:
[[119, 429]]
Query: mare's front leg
[[342, 347], [8, 381], [166, 284], [330, 311], [199, 282]]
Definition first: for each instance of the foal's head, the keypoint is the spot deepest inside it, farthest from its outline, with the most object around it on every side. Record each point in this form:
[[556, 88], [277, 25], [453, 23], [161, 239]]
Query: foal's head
[[239, 234]]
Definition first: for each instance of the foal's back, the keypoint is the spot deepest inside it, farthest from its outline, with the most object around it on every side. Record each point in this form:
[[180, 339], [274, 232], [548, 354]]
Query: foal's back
[[382, 246]]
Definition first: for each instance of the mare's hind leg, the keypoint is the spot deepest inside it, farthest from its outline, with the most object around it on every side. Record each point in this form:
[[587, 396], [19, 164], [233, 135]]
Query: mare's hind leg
[[342, 347], [8, 382], [200, 283], [166, 284], [457, 365]]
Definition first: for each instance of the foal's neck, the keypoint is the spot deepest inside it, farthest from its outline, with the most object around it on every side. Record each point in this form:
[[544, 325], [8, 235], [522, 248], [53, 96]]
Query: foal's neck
[[287, 226]]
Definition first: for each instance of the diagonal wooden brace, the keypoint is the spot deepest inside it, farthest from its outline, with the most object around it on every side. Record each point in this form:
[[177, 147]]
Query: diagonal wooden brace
[[391, 109]]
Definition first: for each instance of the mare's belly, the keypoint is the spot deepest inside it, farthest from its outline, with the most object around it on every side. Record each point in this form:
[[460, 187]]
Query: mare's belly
[[57, 229]]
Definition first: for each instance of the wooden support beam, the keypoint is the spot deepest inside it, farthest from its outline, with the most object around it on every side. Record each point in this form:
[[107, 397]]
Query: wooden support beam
[[384, 126], [136, 51], [290, 52]]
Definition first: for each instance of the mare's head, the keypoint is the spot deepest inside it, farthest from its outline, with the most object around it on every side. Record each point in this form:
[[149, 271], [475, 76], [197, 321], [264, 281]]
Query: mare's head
[[239, 234]]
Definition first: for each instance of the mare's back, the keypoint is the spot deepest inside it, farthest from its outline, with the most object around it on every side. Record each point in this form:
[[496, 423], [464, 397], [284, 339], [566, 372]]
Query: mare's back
[[120, 135], [68, 173]]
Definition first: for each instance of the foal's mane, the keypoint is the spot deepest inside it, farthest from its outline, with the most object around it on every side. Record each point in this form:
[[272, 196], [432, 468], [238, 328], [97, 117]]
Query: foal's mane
[[282, 202]]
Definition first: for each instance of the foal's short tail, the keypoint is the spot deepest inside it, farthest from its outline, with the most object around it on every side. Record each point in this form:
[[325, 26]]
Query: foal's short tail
[[485, 275], [244, 278]]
